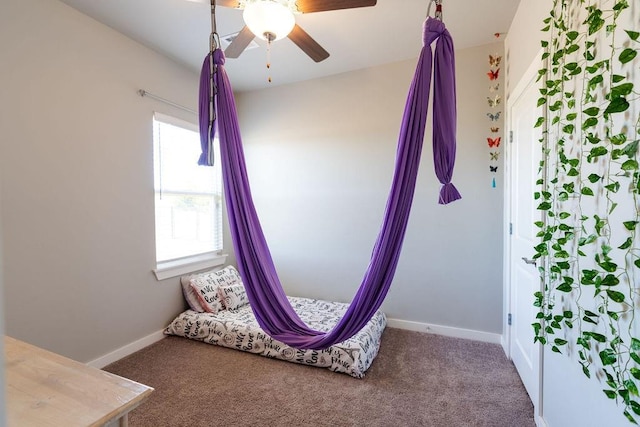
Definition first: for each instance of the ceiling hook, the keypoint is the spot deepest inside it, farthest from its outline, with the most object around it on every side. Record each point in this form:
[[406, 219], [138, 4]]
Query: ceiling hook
[[438, 13]]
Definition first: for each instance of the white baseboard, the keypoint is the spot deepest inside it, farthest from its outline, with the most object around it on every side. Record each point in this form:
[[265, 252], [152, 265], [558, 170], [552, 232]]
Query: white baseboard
[[505, 346], [448, 331], [540, 422], [128, 349]]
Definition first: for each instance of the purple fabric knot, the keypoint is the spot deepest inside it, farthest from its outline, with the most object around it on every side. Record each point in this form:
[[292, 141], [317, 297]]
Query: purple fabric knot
[[448, 193], [218, 57], [431, 30]]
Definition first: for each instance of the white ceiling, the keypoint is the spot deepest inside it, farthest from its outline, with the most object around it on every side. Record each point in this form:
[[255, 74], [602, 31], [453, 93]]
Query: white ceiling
[[356, 38]]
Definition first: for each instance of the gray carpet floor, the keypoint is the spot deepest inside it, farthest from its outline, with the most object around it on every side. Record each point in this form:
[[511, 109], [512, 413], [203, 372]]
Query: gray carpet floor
[[416, 380]]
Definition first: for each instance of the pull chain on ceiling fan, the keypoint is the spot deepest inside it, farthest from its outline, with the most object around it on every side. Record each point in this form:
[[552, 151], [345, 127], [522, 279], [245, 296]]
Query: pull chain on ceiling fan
[[272, 20]]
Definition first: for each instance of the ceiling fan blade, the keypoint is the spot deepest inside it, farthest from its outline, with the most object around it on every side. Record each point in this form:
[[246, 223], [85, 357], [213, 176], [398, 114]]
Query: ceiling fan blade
[[309, 6], [228, 3], [239, 44], [308, 44]]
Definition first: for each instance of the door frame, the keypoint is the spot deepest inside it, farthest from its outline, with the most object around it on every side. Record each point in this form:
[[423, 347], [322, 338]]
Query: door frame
[[530, 75]]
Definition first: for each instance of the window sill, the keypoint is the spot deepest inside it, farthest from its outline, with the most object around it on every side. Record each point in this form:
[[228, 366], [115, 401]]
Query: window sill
[[182, 266]]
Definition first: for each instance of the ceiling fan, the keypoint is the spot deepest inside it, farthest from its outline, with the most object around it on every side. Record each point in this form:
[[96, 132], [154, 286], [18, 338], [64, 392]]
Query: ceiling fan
[[272, 20]]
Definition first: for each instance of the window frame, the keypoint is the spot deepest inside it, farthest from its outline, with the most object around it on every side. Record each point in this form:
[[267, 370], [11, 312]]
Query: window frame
[[188, 264]]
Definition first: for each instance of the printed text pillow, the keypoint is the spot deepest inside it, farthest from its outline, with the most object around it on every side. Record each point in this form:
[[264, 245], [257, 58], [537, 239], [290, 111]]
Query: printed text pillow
[[233, 297]]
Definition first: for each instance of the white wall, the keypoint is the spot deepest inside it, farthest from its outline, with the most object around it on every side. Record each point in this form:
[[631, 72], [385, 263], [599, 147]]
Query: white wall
[[76, 164], [569, 398], [320, 158]]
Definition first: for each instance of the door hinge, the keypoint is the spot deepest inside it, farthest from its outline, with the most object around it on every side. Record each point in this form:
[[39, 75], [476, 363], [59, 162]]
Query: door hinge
[[509, 319], [510, 228], [510, 136]]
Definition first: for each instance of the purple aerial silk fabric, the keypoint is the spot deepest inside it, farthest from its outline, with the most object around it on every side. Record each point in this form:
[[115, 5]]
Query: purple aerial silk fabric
[[268, 300]]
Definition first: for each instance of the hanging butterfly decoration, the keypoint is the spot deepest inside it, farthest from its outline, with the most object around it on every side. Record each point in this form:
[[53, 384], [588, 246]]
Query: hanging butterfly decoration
[[494, 155], [495, 130], [494, 117], [494, 142], [494, 88], [494, 102], [493, 75], [493, 169], [494, 61]]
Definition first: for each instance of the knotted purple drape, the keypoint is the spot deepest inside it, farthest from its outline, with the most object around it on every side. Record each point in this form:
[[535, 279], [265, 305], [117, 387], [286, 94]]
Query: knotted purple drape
[[268, 300]]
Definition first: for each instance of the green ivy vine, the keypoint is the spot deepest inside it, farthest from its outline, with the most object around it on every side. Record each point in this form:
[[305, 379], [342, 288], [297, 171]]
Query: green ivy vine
[[587, 192]]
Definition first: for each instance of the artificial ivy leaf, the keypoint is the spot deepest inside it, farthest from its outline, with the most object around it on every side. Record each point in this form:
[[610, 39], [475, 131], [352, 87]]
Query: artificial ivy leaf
[[572, 48], [590, 313], [608, 266], [569, 324], [613, 187], [635, 357], [592, 111], [635, 372], [613, 315], [590, 122], [615, 295], [635, 406], [563, 265], [587, 191], [539, 122], [613, 207], [610, 394], [617, 78], [585, 370], [633, 34], [589, 320], [593, 139], [595, 80], [568, 128], [627, 244], [598, 151], [631, 386], [573, 172], [593, 178], [617, 105], [621, 90], [630, 417], [630, 225], [560, 342], [572, 116], [627, 55], [630, 165], [610, 280], [572, 35], [598, 337], [571, 66], [631, 149], [555, 349], [564, 215], [544, 206], [608, 357], [635, 344], [564, 287]]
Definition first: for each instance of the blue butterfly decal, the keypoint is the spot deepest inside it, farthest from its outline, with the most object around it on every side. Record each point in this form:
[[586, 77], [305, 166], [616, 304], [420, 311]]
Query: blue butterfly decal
[[494, 117]]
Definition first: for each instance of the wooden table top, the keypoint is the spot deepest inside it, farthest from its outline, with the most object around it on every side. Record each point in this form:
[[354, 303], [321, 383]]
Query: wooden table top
[[47, 389]]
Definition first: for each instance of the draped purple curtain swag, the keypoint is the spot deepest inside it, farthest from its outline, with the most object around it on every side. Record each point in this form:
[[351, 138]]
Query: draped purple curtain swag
[[268, 300]]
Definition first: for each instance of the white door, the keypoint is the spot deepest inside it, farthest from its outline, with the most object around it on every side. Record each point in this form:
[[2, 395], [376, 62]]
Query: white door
[[523, 157]]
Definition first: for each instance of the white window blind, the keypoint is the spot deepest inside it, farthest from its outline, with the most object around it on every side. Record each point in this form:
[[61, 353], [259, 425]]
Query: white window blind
[[188, 197]]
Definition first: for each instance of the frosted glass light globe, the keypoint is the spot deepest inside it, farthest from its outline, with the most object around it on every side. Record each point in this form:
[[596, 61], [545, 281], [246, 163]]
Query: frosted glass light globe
[[268, 19]]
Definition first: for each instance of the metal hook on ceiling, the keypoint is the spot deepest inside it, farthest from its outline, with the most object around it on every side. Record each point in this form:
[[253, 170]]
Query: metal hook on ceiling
[[438, 13]]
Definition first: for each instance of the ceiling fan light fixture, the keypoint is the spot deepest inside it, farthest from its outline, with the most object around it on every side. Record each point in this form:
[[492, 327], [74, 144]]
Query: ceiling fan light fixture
[[270, 20]]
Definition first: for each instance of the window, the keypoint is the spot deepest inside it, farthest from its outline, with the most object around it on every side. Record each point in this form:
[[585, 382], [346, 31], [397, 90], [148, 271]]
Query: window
[[188, 200]]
